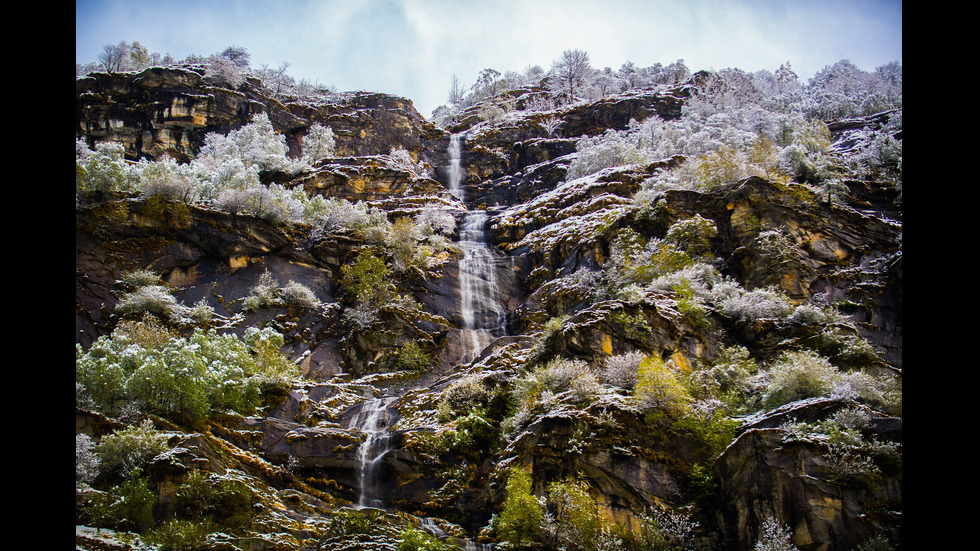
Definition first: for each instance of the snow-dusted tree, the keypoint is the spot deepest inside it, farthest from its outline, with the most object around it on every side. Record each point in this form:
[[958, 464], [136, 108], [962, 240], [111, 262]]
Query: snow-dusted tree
[[456, 91], [237, 55], [571, 72], [224, 71], [86, 461], [774, 537], [139, 57], [104, 170], [403, 160], [629, 75], [255, 144], [168, 179], [114, 56], [318, 144], [488, 83], [438, 219]]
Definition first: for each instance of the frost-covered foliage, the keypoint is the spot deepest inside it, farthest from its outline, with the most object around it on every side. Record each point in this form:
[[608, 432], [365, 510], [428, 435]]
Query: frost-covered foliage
[[145, 294], [187, 379], [554, 385], [103, 171], [124, 452], [318, 144], [621, 370], [256, 145], [795, 376], [267, 293], [774, 536], [403, 160], [86, 460]]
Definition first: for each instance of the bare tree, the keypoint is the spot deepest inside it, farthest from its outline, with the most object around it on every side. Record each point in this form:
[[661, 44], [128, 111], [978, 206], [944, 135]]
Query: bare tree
[[113, 56], [456, 91], [572, 70]]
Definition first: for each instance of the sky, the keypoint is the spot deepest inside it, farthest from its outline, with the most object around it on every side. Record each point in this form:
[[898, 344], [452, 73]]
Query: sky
[[412, 48]]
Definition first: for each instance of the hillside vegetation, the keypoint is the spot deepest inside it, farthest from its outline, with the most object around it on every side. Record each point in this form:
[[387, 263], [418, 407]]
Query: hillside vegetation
[[687, 289]]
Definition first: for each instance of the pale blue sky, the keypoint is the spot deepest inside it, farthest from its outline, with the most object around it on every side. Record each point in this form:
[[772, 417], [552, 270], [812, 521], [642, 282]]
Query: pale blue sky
[[411, 48]]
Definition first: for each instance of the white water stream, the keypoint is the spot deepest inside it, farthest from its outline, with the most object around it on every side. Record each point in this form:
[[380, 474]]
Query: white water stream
[[372, 419], [480, 295]]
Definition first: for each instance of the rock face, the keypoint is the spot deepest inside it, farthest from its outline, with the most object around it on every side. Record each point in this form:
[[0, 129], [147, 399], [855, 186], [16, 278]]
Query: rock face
[[453, 426]]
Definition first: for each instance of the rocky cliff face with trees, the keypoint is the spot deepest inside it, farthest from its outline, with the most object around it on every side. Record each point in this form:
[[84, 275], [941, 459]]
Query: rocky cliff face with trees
[[642, 309]]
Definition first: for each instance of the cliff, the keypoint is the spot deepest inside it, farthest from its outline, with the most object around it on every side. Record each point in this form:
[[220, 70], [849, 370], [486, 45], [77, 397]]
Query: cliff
[[697, 360]]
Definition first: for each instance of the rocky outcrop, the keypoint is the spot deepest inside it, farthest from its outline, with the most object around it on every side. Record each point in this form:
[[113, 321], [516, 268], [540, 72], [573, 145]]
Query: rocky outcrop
[[766, 475], [552, 237], [169, 110]]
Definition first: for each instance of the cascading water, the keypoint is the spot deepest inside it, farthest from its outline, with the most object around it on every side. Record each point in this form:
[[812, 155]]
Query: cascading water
[[372, 420], [480, 295]]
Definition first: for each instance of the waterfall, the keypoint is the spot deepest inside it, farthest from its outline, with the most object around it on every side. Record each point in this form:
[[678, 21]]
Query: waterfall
[[480, 295], [372, 420]]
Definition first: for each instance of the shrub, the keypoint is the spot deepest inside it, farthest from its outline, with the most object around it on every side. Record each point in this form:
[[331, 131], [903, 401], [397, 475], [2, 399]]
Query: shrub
[[411, 357], [728, 378], [318, 143], [621, 370], [733, 301], [152, 299], [104, 170], [86, 460], [403, 160], [577, 523], [520, 519], [612, 149], [413, 539], [300, 295], [367, 283], [797, 375], [774, 537], [126, 452], [658, 388], [128, 506], [181, 535], [168, 180], [134, 279], [465, 394], [693, 235], [264, 294], [183, 379], [222, 502]]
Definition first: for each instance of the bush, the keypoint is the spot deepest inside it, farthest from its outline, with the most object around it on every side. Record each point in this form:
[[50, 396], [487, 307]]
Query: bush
[[264, 294], [152, 299], [413, 539], [728, 378], [103, 171], [412, 358], [795, 376], [658, 388], [126, 452], [367, 283], [222, 502], [184, 379], [128, 506], [621, 370], [181, 535], [318, 143], [86, 460], [774, 537], [578, 524], [520, 519]]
